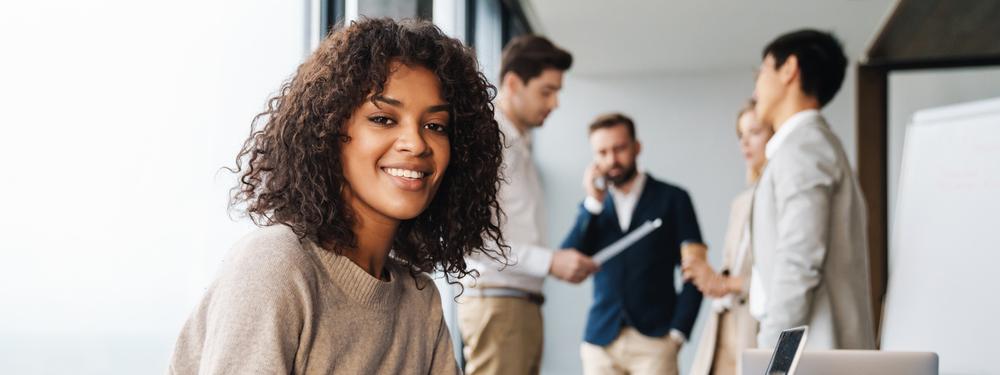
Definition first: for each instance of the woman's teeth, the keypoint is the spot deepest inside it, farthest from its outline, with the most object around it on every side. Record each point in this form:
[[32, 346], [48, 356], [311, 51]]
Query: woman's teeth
[[398, 172]]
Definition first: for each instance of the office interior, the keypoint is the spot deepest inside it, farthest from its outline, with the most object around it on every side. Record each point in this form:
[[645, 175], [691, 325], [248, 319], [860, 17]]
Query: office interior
[[120, 114]]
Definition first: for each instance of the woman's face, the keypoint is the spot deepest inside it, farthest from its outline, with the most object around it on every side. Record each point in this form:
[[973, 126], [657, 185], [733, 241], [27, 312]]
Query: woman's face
[[398, 148], [753, 137]]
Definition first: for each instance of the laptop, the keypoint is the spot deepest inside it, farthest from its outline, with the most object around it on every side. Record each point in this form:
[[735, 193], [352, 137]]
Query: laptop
[[855, 362]]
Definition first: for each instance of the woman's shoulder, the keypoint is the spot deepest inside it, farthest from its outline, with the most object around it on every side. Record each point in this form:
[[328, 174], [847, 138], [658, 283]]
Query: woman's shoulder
[[740, 206], [270, 241], [744, 198], [269, 251]]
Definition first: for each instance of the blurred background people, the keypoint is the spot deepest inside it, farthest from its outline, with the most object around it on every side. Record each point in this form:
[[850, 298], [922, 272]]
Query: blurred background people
[[729, 328]]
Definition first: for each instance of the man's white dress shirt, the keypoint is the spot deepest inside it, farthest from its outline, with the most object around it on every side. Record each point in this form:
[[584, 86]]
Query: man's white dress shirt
[[521, 199]]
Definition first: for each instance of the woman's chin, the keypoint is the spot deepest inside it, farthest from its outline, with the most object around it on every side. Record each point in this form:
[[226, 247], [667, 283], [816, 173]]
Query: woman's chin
[[404, 211]]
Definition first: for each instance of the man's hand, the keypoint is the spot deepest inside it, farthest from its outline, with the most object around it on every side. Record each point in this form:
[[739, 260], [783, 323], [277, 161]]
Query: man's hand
[[700, 273], [677, 339], [696, 271], [571, 265], [715, 286], [590, 176], [708, 282]]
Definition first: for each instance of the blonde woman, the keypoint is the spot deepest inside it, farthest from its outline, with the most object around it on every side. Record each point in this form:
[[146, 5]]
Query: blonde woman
[[730, 329]]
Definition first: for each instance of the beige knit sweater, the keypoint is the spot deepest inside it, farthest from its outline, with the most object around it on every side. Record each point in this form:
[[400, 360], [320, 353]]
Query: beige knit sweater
[[281, 306]]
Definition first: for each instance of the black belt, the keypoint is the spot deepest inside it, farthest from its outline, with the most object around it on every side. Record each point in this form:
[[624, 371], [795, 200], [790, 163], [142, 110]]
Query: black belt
[[535, 298]]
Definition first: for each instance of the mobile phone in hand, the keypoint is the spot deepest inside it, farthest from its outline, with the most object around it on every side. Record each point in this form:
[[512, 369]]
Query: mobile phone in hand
[[600, 183]]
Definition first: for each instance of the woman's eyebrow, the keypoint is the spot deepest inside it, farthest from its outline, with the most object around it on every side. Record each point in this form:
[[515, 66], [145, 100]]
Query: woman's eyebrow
[[396, 103], [387, 100], [439, 108]]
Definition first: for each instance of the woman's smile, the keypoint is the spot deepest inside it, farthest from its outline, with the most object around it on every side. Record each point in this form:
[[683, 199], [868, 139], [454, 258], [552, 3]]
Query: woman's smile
[[408, 178]]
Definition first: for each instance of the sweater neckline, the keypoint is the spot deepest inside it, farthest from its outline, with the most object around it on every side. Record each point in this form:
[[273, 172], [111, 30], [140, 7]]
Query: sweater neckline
[[357, 283]]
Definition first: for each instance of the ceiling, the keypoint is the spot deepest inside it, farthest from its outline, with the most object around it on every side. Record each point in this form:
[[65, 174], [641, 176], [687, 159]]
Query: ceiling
[[672, 36]]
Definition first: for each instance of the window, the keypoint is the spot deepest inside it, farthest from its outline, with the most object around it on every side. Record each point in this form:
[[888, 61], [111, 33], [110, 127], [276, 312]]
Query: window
[[118, 116]]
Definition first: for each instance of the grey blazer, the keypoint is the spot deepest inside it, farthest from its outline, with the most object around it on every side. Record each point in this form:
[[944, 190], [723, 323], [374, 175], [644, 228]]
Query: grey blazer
[[809, 243]]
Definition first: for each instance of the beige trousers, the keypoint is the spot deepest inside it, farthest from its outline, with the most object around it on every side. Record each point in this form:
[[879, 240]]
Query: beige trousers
[[502, 335], [631, 353]]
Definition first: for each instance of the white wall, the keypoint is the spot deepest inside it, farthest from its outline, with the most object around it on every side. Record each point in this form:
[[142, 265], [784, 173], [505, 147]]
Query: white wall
[[117, 116], [687, 126]]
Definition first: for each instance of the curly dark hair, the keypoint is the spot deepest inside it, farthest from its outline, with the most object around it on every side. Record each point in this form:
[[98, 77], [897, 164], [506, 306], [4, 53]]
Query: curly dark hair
[[291, 168]]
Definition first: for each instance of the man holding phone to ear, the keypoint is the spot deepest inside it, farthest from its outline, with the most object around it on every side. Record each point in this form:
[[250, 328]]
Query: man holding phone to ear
[[638, 321]]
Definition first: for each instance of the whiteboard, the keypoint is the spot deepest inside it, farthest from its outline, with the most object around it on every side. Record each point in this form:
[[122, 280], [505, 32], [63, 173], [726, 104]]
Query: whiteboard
[[944, 259]]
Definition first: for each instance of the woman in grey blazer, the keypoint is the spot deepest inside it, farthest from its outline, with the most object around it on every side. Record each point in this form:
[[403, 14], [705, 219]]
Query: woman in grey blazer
[[730, 329]]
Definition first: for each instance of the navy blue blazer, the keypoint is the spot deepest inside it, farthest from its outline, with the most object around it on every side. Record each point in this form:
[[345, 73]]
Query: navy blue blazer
[[636, 287]]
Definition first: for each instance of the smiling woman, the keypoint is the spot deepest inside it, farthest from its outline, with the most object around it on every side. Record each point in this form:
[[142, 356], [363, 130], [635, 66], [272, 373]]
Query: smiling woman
[[395, 159], [377, 162]]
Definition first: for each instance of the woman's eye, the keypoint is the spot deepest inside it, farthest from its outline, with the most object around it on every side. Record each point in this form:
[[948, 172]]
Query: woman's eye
[[437, 127], [381, 120]]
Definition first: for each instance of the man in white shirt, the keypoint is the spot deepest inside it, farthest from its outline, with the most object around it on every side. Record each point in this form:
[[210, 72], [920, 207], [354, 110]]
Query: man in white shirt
[[810, 254], [500, 315]]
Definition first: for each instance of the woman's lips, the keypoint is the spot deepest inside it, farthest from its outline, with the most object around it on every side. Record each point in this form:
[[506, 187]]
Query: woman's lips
[[406, 183]]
